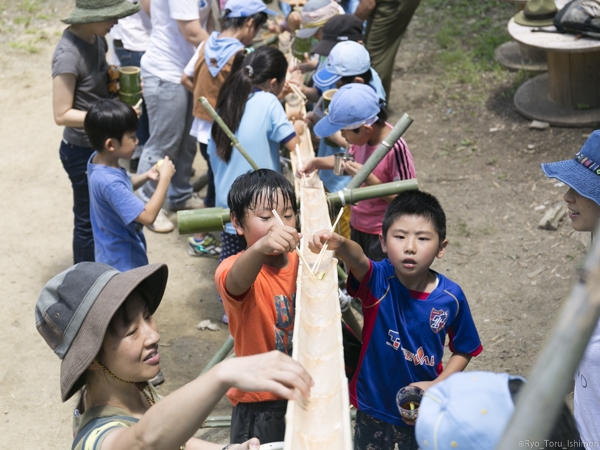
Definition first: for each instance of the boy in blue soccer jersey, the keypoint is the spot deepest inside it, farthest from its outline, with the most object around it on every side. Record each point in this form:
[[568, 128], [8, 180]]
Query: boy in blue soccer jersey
[[408, 311]]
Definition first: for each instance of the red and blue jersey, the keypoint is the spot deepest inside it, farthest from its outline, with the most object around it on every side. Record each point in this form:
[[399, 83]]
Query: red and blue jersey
[[404, 336]]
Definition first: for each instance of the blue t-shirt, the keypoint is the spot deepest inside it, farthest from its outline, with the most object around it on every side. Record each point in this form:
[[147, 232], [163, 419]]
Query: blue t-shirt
[[403, 337], [118, 238], [264, 126]]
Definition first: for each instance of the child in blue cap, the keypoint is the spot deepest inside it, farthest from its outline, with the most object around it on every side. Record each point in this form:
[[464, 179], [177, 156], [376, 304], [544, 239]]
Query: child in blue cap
[[471, 410], [582, 175], [356, 111]]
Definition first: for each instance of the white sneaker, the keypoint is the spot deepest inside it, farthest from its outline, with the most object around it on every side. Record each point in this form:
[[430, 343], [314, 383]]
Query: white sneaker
[[162, 224]]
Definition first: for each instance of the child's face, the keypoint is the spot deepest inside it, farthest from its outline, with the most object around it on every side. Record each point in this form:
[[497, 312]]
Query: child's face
[[412, 244], [583, 212], [259, 221], [101, 29], [358, 136], [126, 147], [131, 353]]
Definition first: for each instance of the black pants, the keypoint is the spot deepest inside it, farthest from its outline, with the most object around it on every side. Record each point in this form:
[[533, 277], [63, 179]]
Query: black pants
[[262, 420]]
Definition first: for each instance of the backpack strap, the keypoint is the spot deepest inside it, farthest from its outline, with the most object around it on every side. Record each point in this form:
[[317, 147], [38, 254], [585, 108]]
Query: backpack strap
[[100, 426]]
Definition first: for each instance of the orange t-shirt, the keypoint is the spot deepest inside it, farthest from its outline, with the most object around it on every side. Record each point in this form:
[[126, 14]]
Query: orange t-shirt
[[262, 319]]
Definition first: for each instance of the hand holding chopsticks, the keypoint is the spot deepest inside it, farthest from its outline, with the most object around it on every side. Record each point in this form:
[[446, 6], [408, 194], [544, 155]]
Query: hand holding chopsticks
[[312, 275], [322, 252]]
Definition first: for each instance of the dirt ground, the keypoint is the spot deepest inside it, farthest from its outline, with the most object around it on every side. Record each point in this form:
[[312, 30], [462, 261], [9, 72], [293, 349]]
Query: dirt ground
[[480, 159]]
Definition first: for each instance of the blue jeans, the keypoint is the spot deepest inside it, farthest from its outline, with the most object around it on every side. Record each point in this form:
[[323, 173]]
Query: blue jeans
[[170, 114], [74, 160], [131, 58]]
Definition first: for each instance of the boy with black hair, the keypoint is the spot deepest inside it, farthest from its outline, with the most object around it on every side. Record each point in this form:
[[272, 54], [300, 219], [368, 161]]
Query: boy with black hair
[[117, 215], [408, 311], [258, 288]]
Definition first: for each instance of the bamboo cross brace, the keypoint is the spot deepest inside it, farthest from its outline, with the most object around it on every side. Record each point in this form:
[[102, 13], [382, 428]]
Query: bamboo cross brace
[[324, 249], [312, 275], [228, 132]]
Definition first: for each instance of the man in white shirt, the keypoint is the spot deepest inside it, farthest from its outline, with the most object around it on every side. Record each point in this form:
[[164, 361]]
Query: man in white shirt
[[176, 32]]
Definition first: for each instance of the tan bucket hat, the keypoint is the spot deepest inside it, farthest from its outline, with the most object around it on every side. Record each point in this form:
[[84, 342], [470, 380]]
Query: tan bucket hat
[[76, 306], [92, 11], [537, 13]]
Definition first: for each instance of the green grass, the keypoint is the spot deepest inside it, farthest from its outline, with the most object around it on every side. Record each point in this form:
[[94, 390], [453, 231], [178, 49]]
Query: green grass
[[467, 33]]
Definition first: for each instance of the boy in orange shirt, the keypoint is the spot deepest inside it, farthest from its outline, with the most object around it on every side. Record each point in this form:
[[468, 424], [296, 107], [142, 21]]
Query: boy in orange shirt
[[258, 288]]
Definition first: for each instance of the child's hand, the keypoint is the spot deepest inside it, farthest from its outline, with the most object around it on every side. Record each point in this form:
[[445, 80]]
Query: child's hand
[[307, 168], [351, 167], [312, 117], [153, 174], [279, 240], [423, 384], [296, 77], [166, 169], [294, 20], [334, 241]]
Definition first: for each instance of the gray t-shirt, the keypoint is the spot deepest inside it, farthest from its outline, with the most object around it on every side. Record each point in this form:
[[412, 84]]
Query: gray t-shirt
[[88, 63]]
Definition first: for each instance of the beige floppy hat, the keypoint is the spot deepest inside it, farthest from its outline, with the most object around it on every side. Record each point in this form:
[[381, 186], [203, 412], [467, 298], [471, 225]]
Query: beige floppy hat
[[537, 13], [76, 306]]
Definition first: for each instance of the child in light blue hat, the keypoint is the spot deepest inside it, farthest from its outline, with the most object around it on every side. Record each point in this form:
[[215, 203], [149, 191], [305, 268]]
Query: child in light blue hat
[[471, 410], [582, 175], [355, 111]]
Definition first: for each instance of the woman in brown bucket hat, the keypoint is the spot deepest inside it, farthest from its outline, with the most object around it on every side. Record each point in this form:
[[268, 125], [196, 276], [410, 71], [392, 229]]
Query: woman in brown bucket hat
[[99, 322], [79, 79]]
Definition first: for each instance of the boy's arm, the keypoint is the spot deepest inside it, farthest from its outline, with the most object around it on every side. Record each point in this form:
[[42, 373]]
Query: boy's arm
[[319, 163], [150, 212], [457, 363], [349, 251], [243, 272]]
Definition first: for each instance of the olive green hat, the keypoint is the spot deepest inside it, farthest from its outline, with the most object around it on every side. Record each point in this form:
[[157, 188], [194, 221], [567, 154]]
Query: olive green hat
[[92, 11], [537, 13]]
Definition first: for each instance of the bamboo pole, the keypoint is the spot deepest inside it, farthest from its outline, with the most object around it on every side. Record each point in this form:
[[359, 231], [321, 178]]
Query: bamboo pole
[[539, 402], [351, 196], [213, 219], [382, 150], [228, 132]]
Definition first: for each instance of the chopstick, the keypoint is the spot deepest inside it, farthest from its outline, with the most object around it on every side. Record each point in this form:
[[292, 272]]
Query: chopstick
[[322, 252], [297, 90], [297, 249]]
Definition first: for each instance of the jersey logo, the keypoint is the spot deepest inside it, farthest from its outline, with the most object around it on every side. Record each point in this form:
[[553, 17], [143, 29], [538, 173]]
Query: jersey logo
[[419, 358], [437, 319], [395, 339]]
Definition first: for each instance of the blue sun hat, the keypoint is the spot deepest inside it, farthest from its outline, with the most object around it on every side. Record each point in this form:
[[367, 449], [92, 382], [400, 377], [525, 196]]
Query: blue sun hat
[[348, 58], [582, 173], [467, 411], [352, 106], [246, 8]]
